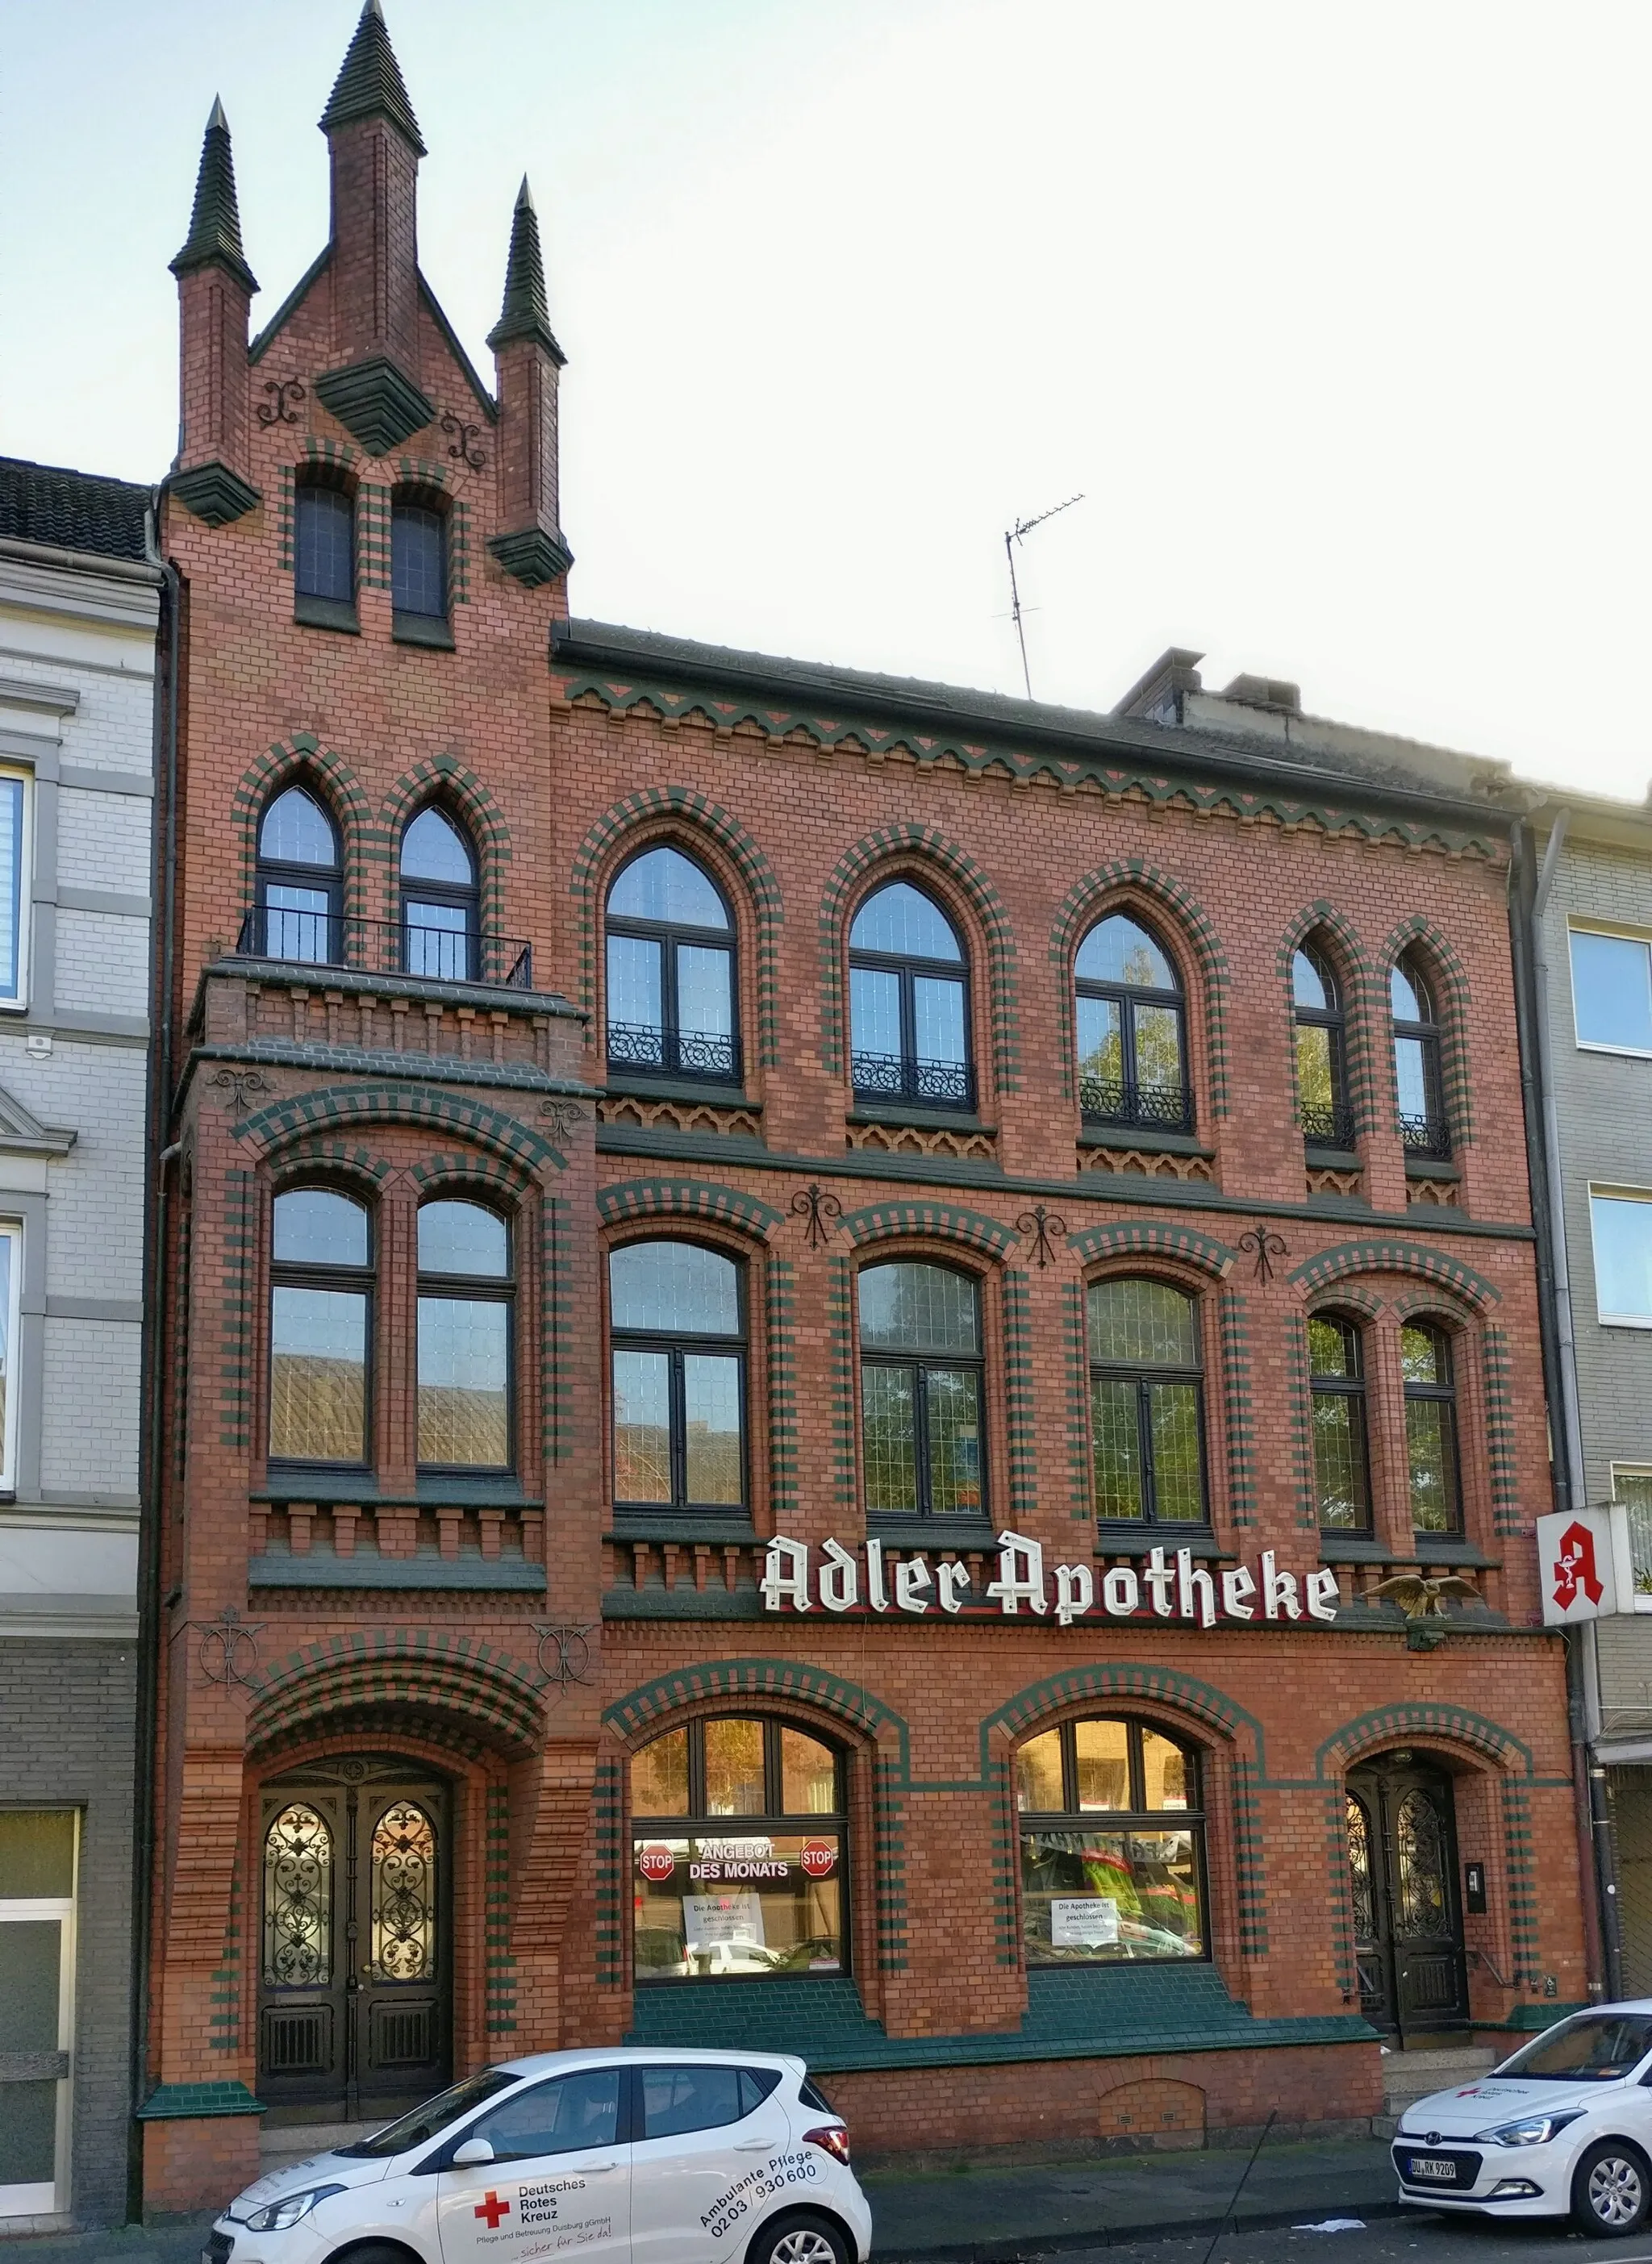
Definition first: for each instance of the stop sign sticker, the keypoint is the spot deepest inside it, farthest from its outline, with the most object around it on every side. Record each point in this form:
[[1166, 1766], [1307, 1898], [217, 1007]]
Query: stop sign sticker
[[656, 1863], [820, 1858]]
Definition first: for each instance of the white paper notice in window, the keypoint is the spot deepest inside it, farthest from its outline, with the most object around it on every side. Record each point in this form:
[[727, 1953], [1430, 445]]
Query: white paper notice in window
[[1084, 1922], [711, 1921]]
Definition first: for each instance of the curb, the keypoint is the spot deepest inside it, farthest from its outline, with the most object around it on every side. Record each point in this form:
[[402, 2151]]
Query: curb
[[1113, 2236]]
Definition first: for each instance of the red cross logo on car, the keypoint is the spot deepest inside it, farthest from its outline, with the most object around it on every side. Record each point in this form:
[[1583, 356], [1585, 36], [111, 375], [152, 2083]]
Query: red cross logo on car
[[493, 2208]]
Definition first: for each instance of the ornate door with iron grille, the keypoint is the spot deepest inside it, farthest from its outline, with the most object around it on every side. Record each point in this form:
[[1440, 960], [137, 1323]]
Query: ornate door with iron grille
[[1408, 1915], [355, 1958]]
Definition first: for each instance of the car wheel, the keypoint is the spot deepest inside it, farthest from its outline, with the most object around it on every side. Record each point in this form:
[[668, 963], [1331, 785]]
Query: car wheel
[[1611, 2188], [798, 2237]]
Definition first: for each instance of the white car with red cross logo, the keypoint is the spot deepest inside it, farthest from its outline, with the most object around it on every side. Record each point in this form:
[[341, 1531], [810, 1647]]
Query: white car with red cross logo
[[625, 2156]]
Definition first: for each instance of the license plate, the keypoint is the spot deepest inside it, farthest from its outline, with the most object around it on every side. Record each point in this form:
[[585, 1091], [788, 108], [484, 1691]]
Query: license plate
[[1438, 2169]]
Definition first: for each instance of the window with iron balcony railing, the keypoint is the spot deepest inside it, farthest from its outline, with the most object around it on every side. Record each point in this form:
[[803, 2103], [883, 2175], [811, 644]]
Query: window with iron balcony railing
[[443, 954]]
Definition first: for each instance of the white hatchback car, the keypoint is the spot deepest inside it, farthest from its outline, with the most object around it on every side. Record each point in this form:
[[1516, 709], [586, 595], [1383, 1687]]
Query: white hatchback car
[[617, 2156], [1565, 2126]]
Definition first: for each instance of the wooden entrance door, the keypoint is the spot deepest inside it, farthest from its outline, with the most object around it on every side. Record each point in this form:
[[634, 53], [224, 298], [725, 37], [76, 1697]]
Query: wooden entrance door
[[355, 1960], [1407, 1914]]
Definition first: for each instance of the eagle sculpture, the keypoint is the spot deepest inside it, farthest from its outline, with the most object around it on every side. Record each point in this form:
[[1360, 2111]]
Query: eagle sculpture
[[1423, 1599]]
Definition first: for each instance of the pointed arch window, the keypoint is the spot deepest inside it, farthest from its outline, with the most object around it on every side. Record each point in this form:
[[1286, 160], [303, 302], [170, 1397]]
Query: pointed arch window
[[909, 1002], [299, 900], [1322, 1074], [1132, 1029], [324, 551], [671, 998], [1416, 1061], [440, 898]]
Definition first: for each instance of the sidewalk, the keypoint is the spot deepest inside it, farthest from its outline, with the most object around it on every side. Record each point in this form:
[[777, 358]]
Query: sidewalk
[[985, 2215]]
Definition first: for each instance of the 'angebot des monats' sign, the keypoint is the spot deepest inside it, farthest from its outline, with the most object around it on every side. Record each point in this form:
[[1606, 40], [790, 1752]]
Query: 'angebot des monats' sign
[[1168, 1585]]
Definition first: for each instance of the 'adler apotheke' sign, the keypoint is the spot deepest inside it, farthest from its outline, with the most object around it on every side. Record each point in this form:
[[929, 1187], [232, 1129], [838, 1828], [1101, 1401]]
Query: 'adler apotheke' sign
[[1168, 1585]]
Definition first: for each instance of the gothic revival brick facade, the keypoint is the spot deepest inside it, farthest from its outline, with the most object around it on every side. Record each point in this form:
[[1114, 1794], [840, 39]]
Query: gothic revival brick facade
[[865, 1113]]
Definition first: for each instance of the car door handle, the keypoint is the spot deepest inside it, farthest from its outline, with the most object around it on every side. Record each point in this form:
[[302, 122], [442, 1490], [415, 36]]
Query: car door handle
[[594, 2169], [755, 2146]]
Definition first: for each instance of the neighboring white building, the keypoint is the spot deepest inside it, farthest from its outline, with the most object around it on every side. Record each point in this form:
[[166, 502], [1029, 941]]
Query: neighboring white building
[[79, 607]]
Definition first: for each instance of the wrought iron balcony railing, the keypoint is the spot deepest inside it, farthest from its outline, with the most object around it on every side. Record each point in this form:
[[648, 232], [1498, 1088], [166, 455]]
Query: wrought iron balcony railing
[[1327, 1124], [386, 947], [924, 1084], [1120, 1100], [1426, 1136], [644, 1045]]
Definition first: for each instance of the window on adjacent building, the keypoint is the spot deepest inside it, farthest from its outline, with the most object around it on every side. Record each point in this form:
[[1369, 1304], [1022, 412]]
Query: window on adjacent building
[[1416, 1061], [1430, 1426], [300, 882], [1341, 1472], [1112, 1845], [1611, 991], [1622, 1234], [38, 1853], [671, 970], [11, 1304], [1634, 1488], [14, 886], [321, 1300], [1132, 1038], [738, 1852], [439, 899], [323, 544], [1147, 1404], [909, 1020], [677, 1315], [419, 558], [920, 1391], [1322, 1081], [465, 1315]]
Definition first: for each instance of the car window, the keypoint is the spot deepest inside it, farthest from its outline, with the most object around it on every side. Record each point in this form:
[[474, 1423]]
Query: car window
[[1593, 2047], [557, 2117], [756, 2083], [435, 2115], [678, 2099], [812, 2095]]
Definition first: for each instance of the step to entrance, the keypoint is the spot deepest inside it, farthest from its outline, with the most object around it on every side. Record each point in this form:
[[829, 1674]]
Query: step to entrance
[[292, 2141], [1409, 2075]]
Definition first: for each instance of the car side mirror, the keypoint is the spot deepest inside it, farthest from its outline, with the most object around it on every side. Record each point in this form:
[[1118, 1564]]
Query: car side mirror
[[473, 2150]]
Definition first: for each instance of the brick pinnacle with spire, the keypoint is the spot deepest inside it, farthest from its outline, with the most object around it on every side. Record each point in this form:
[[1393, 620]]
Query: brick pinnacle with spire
[[214, 224], [525, 313], [369, 84]]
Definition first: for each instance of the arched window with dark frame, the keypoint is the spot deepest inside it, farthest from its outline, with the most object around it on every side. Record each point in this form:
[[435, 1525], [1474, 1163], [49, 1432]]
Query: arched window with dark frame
[[1336, 1382], [1430, 1428], [323, 549], [677, 1315], [909, 1002], [466, 1328], [1321, 1050], [1132, 1029], [440, 901], [1423, 1129], [1147, 1403], [418, 567], [921, 1390], [321, 1326], [671, 998], [299, 891], [739, 1831], [1111, 1824]]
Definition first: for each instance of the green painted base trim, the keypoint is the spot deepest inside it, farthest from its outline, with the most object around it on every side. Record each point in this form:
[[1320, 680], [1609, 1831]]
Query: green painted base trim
[[189, 2102], [533, 555], [683, 1603], [280, 1569], [376, 401], [214, 493]]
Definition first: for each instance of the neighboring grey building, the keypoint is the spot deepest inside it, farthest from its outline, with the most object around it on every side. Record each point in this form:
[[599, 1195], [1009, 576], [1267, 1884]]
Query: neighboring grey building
[[1593, 947], [79, 604]]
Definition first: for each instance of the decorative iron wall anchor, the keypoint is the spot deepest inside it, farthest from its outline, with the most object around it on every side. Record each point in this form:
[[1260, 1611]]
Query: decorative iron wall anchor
[[1040, 1225], [280, 410], [1264, 1246], [820, 1208], [462, 450], [228, 1651], [239, 1083]]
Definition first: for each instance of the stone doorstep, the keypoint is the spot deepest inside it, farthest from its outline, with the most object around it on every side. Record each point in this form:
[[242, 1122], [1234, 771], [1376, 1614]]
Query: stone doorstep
[[292, 2140], [1408, 2076]]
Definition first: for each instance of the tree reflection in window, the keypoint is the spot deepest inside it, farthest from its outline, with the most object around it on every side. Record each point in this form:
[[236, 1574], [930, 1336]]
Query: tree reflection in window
[[297, 1900], [1112, 1845]]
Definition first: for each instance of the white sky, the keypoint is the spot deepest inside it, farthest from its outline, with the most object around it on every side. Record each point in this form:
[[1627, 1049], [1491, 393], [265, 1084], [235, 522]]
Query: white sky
[[1335, 315]]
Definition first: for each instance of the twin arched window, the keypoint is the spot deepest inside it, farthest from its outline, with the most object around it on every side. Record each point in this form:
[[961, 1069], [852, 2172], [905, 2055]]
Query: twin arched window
[[323, 1289], [1416, 1060], [324, 557], [1132, 1033], [670, 971], [298, 909], [1342, 1453]]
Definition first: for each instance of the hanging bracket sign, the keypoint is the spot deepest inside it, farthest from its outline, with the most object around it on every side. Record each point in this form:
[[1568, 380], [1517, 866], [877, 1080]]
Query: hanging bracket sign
[[863, 1581]]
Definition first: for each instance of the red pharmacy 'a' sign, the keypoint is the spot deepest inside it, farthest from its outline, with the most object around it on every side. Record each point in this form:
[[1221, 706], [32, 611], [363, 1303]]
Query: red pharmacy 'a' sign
[[818, 1858], [656, 1862]]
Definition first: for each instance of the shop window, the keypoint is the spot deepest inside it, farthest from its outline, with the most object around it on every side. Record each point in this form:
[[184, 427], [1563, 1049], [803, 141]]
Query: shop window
[[909, 1019], [439, 899], [1611, 991], [1132, 1030], [1321, 1079], [1416, 1061], [324, 553], [921, 1391], [1147, 1404], [738, 1854], [670, 971], [418, 569], [321, 1299], [677, 1314], [466, 1312], [1430, 1426], [38, 1850], [1341, 1469], [1621, 1223], [300, 882], [1112, 1846]]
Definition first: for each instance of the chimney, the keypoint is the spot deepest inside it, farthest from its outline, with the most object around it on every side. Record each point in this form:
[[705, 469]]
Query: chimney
[[527, 359], [215, 295], [373, 144], [1270, 691]]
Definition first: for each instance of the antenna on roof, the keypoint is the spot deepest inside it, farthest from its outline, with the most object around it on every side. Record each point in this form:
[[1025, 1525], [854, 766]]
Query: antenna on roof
[[1012, 536]]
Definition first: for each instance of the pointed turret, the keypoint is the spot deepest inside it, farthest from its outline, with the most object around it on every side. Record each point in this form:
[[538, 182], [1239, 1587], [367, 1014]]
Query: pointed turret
[[215, 225], [527, 359], [369, 84], [215, 293]]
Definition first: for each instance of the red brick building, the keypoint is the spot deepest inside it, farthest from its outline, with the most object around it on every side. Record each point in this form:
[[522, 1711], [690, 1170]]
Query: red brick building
[[635, 1100]]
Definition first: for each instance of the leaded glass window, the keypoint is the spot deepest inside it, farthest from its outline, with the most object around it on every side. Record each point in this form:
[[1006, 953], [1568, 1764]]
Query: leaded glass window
[[1430, 1424], [323, 542], [1337, 1388], [418, 559], [677, 1313], [921, 1390], [1147, 1403], [1131, 1035]]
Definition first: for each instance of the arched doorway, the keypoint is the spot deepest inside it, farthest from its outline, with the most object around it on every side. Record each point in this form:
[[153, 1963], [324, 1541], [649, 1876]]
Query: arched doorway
[[356, 1952], [1408, 1912]]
